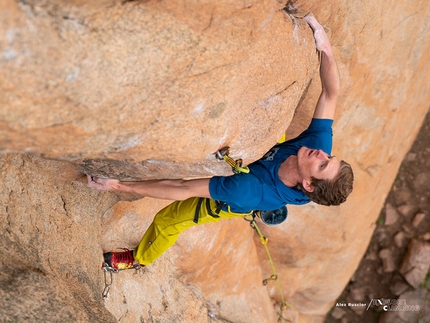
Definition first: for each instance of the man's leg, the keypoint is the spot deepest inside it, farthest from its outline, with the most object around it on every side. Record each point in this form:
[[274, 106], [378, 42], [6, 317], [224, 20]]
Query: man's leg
[[169, 223]]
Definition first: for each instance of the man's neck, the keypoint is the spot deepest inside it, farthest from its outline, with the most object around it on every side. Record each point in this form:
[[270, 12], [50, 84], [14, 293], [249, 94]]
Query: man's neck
[[289, 173]]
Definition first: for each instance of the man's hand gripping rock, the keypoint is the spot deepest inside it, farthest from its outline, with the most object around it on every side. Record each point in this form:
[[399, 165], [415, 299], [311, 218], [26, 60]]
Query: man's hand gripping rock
[[322, 41]]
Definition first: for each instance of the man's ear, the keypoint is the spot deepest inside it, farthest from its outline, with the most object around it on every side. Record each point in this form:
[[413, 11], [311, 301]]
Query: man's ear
[[307, 185]]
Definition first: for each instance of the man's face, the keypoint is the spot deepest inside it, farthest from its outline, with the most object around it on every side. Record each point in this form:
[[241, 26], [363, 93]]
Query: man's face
[[316, 163]]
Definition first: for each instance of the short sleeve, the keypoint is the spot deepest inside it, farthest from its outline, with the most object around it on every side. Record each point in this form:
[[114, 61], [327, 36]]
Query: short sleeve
[[319, 135]]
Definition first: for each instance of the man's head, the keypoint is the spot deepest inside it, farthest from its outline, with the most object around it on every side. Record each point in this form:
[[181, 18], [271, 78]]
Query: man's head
[[325, 179]]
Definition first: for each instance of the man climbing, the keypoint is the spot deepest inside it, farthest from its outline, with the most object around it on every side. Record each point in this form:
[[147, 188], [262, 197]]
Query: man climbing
[[297, 171]]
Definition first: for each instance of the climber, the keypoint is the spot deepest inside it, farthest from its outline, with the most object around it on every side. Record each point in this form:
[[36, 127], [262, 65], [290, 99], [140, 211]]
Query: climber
[[297, 171]]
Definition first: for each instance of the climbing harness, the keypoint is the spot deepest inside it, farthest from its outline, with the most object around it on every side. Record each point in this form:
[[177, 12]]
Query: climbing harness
[[219, 206], [264, 241], [236, 165]]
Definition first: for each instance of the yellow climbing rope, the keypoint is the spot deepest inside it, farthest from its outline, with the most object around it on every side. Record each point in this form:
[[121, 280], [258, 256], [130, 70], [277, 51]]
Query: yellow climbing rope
[[237, 168], [264, 240]]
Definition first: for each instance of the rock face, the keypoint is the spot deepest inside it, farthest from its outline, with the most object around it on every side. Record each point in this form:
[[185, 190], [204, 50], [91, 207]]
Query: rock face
[[47, 257], [150, 89], [148, 82]]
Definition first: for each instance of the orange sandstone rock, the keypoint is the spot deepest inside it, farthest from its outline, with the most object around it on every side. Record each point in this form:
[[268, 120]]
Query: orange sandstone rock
[[150, 89]]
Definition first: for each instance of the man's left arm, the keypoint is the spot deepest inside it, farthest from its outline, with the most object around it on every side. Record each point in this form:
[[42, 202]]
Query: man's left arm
[[329, 73]]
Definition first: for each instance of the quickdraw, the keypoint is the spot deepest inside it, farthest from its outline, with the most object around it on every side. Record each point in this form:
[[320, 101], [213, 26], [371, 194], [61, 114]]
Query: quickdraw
[[108, 271], [236, 165], [264, 240], [108, 282]]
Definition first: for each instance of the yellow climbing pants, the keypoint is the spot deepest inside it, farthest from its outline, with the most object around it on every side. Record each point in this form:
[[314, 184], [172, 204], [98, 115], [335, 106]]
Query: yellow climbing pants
[[170, 222]]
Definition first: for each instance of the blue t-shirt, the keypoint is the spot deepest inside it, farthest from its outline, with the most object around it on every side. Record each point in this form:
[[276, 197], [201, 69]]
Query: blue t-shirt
[[261, 188]]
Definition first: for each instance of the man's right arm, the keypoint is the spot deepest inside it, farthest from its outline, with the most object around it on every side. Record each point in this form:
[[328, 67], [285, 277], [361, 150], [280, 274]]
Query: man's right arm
[[329, 73], [168, 189]]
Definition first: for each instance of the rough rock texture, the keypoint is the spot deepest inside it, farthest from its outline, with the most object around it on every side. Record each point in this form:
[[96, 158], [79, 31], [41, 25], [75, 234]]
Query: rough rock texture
[[149, 82], [49, 260], [51, 252], [144, 89]]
